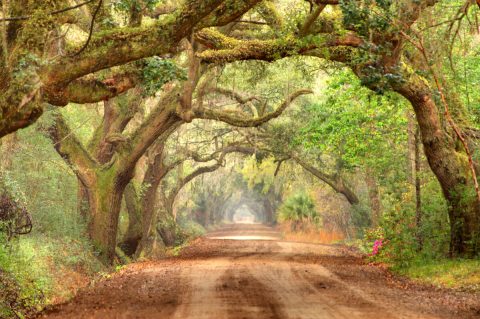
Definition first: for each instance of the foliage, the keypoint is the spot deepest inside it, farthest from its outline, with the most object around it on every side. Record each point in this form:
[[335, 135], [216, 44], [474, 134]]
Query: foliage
[[126, 5], [361, 218], [32, 266], [350, 124], [259, 173], [403, 240], [367, 16], [158, 71], [299, 209]]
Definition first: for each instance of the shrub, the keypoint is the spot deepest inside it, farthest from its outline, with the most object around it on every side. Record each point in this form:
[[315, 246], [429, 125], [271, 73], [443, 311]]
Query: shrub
[[300, 211]]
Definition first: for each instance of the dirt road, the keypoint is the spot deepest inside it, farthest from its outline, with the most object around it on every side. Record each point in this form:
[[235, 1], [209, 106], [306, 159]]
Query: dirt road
[[236, 279]]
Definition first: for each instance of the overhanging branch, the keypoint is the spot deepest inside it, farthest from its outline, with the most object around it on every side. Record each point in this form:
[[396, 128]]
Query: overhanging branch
[[239, 121]]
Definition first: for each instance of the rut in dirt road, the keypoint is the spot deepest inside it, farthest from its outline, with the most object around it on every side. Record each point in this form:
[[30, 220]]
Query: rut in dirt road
[[235, 279]]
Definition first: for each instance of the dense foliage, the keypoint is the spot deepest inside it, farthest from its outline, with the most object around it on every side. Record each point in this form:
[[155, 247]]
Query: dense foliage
[[130, 127]]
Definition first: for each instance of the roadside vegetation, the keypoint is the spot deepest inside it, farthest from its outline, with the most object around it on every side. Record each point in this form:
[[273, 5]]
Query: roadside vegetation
[[131, 127]]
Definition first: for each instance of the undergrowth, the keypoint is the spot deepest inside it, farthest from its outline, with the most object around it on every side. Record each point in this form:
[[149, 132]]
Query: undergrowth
[[39, 270], [463, 274]]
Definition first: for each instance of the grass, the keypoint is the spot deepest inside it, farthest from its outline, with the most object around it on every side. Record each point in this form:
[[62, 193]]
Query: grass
[[461, 274]]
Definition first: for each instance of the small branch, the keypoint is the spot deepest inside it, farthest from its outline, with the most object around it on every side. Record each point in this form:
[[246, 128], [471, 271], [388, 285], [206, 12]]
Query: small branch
[[305, 29], [240, 121], [97, 10], [251, 22]]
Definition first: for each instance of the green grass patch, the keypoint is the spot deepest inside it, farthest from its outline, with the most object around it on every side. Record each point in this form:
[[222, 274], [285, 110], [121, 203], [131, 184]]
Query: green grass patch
[[461, 274]]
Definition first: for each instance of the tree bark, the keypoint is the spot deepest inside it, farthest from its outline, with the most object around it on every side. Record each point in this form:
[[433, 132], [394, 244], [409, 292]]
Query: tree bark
[[449, 165], [105, 200], [133, 235]]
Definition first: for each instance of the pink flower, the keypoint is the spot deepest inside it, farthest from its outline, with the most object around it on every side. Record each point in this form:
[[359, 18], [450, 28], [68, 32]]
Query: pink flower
[[376, 246]]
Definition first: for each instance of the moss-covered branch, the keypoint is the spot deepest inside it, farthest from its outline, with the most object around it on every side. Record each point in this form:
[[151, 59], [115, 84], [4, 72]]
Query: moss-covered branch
[[162, 119], [227, 12], [122, 45], [84, 91], [71, 149], [241, 121], [224, 49], [334, 181]]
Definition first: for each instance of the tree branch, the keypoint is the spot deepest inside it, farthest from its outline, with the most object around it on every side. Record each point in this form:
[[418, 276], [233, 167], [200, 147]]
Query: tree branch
[[161, 120], [84, 91], [307, 25], [227, 12], [224, 49], [233, 95], [334, 181], [70, 149], [239, 121], [123, 45]]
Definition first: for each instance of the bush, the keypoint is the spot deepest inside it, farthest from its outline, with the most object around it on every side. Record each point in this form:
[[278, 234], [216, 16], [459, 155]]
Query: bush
[[300, 211], [402, 241]]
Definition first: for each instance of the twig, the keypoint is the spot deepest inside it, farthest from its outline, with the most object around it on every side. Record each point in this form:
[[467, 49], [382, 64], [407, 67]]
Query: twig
[[91, 29], [251, 21]]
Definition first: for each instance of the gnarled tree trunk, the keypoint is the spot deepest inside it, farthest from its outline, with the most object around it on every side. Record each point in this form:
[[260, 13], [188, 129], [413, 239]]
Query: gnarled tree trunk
[[449, 163]]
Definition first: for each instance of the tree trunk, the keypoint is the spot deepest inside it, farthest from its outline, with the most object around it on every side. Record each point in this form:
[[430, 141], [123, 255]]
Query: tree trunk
[[418, 193], [168, 224], [133, 235], [451, 168], [8, 148], [150, 242], [411, 134], [82, 200], [268, 218], [105, 200]]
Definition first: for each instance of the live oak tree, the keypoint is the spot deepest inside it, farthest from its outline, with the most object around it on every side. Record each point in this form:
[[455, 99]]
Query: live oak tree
[[108, 166], [379, 40], [376, 39], [150, 205], [38, 69]]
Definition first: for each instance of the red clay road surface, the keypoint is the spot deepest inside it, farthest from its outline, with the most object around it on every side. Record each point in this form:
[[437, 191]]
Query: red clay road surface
[[261, 278]]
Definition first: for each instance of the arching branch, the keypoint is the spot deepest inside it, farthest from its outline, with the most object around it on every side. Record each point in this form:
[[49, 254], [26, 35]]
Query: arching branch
[[240, 121], [225, 49], [232, 95], [334, 181], [71, 149]]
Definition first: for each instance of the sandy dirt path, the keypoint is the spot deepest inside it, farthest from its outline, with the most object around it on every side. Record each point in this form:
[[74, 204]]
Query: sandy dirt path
[[225, 278]]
